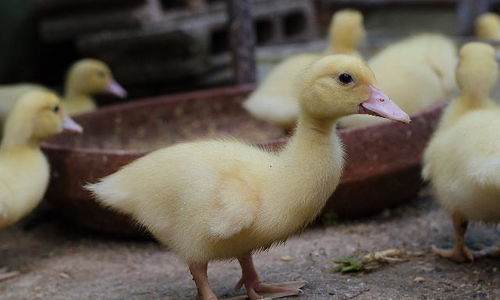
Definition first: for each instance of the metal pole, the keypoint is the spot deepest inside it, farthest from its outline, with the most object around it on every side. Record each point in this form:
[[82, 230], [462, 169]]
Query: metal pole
[[242, 40]]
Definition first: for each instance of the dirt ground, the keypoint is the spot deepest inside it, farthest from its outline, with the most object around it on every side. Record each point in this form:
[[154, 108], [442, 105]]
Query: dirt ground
[[58, 262]]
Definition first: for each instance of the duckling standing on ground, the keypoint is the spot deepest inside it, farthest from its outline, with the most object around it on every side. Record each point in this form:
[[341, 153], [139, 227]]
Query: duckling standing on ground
[[212, 200], [85, 78], [276, 98], [24, 171], [463, 157], [488, 26]]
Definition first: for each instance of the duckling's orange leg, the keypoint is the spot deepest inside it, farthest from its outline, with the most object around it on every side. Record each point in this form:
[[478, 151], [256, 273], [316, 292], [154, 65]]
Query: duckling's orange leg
[[257, 290], [460, 252], [199, 272]]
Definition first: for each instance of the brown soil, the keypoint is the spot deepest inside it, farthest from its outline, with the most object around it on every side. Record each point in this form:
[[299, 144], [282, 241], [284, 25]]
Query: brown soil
[[58, 262]]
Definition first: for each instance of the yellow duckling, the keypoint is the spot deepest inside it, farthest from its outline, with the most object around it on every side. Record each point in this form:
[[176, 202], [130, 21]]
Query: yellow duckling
[[488, 26], [24, 171], [212, 200], [346, 32], [85, 78], [415, 73], [276, 98], [463, 157]]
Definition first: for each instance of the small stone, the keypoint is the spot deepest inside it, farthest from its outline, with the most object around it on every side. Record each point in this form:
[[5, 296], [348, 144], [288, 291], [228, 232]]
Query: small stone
[[286, 258], [419, 279]]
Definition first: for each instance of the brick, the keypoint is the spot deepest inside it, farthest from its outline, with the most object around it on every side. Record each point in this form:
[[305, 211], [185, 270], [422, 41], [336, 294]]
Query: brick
[[276, 19], [54, 7], [183, 43], [150, 55], [76, 21]]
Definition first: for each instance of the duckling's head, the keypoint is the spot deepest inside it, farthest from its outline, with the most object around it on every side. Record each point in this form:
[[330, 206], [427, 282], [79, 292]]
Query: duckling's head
[[90, 77], [346, 31], [340, 85], [37, 116], [488, 26], [477, 71]]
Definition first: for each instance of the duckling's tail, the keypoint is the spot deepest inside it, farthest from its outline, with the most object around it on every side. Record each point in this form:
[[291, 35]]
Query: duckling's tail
[[426, 173], [107, 193]]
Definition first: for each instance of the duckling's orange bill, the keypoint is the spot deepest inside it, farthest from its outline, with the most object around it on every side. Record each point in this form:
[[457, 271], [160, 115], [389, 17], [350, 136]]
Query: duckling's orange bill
[[114, 88], [379, 104], [71, 126]]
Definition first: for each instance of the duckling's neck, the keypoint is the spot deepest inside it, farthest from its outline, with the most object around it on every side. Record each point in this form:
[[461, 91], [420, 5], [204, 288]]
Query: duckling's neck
[[14, 142], [75, 96], [341, 45], [18, 137], [311, 165], [310, 134], [475, 98], [467, 102], [338, 48], [78, 102]]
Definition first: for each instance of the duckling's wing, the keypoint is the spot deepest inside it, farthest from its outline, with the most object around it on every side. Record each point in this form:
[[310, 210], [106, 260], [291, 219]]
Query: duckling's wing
[[234, 208]]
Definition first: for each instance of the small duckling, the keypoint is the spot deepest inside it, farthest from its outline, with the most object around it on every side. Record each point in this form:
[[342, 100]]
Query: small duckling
[[462, 159], [276, 98], [213, 200], [488, 26], [24, 171], [85, 78]]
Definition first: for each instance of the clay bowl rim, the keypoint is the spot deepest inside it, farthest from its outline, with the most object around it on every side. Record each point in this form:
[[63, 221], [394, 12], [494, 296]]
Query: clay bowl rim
[[186, 96]]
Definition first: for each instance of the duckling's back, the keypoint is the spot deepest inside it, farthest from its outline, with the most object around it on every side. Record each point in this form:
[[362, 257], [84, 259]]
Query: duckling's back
[[463, 163], [433, 50]]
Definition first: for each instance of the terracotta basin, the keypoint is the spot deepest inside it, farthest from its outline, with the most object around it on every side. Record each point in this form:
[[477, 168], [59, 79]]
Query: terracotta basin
[[382, 161]]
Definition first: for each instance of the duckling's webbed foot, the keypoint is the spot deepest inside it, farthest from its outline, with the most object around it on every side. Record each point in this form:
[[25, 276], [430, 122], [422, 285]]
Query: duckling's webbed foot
[[4, 274], [460, 253], [258, 290]]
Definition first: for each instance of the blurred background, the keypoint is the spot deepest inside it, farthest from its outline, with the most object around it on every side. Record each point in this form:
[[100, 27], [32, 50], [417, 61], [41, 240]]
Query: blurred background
[[162, 46]]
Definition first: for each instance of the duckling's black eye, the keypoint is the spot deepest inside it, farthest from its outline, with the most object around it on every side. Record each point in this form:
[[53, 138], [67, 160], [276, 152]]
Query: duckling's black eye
[[101, 74], [345, 78], [56, 109]]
